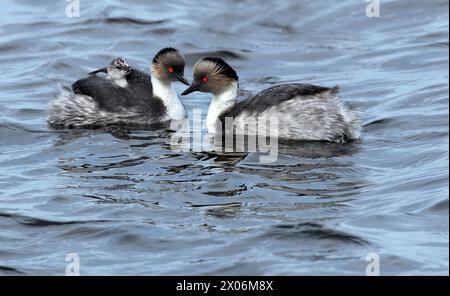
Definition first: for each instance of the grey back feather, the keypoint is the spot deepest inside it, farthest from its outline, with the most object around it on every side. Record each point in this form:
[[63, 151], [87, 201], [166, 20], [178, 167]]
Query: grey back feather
[[303, 112]]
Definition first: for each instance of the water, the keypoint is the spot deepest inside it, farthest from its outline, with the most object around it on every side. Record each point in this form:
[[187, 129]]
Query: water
[[127, 204]]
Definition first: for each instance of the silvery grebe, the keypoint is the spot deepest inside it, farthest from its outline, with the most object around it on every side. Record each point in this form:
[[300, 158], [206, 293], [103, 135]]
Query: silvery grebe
[[303, 111], [135, 99], [117, 71]]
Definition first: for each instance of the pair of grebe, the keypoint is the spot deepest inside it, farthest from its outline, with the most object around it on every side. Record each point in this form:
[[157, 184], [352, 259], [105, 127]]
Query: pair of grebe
[[128, 96]]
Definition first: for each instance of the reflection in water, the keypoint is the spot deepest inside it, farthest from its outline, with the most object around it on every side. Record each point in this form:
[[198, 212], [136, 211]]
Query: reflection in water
[[313, 171]]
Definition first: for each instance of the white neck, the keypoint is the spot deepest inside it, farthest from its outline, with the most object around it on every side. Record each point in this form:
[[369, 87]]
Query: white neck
[[219, 104], [121, 82], [164, 90], [118, 77]]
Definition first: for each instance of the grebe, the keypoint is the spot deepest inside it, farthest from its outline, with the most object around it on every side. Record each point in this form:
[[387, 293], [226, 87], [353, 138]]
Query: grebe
[[117, 71], [303, 111], [134, 99]]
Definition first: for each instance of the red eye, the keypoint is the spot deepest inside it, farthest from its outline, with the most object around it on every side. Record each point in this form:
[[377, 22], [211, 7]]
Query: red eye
[[205, 79], [170, 70]]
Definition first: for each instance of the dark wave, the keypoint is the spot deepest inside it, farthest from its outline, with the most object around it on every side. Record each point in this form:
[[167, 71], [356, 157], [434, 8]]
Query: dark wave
[[89, 168], [39, 222], [311, 231], [191, 58], [128, 20], [8, 270]]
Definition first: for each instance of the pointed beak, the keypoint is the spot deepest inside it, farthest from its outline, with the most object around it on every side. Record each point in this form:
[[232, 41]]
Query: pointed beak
[[193, 87], [182, 79], [103, 70]]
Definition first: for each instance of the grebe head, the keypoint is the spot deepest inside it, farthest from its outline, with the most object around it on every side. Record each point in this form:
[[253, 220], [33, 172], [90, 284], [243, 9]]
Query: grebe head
[[212, 75], [119, 68], [168, 65]]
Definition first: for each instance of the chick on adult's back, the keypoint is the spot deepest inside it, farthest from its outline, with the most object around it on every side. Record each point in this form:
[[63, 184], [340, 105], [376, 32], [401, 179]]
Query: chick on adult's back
[[125, 96]]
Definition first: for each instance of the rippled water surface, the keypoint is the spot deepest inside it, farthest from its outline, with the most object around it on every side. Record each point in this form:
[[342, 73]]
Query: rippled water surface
[[127, 204]]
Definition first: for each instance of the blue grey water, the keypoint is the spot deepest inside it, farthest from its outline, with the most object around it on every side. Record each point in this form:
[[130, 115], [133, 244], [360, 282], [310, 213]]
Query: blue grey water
[[127, 204]]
